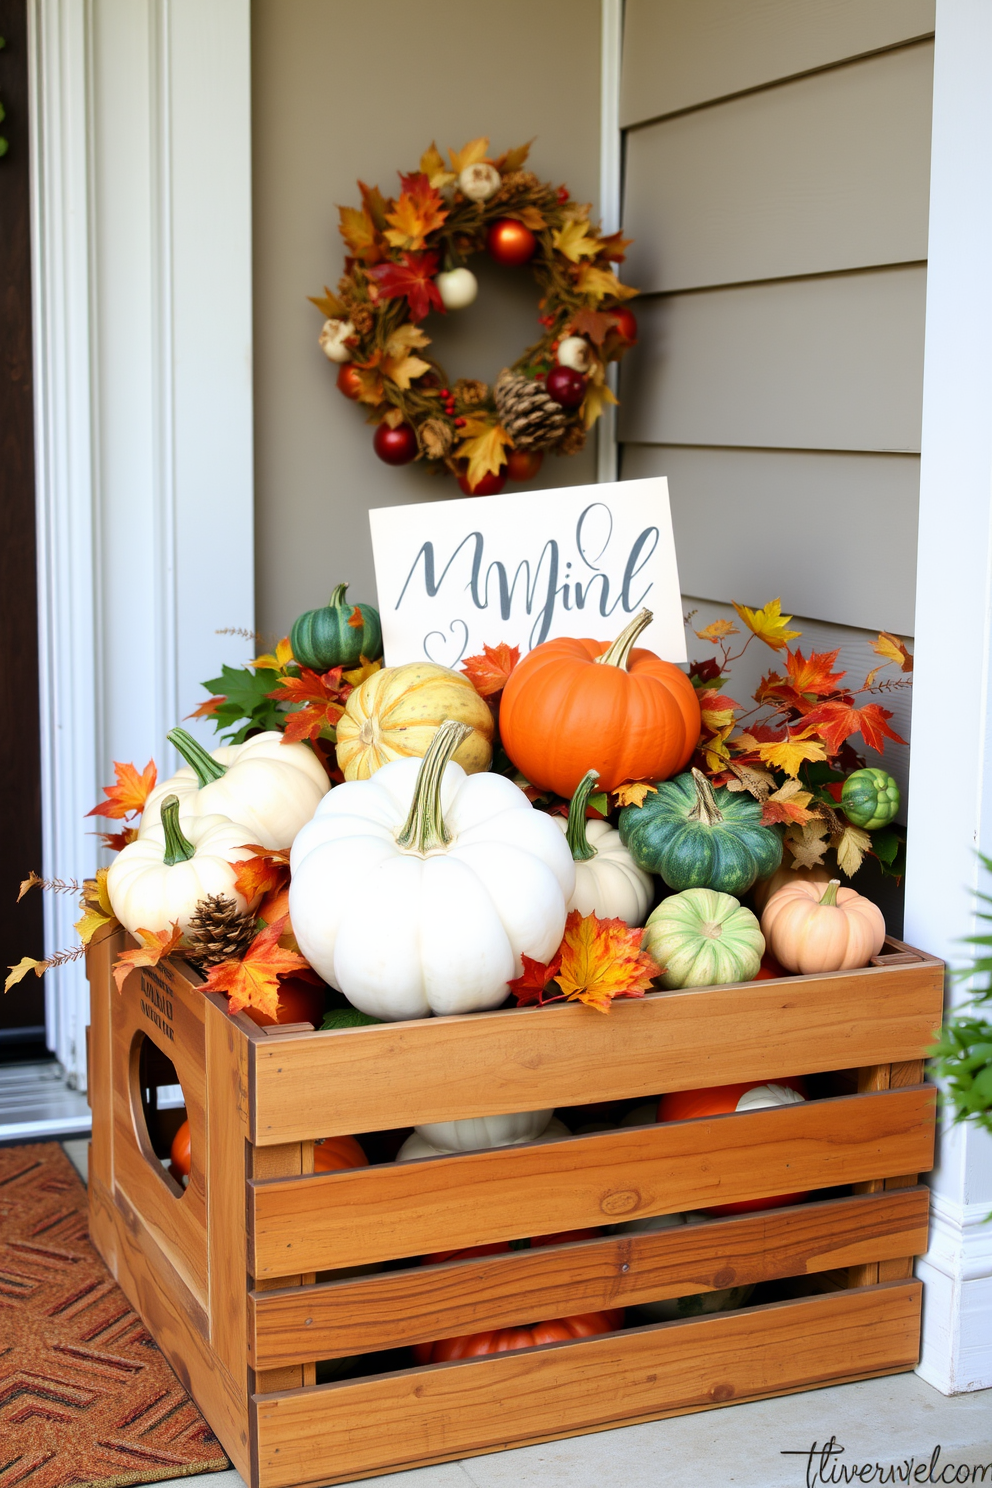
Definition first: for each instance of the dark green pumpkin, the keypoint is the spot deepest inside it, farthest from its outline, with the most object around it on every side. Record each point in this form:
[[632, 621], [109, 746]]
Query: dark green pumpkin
[[323, 638], [870, 798], [695, 837]]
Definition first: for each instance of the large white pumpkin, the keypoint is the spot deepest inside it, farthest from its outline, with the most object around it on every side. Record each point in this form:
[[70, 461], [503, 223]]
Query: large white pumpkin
[[160, 878], [608, 882], [268, 787], [418, 890]]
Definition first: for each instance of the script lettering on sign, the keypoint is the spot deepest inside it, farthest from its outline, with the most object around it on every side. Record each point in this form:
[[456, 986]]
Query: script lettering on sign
[[578, 561]]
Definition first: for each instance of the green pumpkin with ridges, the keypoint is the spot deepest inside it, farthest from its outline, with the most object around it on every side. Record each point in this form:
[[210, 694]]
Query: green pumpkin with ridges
[[695, 837], [870, 798], [323, 638]]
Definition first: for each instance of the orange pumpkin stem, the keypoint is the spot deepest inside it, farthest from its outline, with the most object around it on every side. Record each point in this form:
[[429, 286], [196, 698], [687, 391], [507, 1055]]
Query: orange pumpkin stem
[[618, 654], [830, 892], [705, 810]]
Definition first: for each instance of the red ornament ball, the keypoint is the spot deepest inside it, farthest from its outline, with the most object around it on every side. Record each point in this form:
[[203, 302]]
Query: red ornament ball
[[626, 324], [489, 485], [350, 381], [396, 446], [523, 464], [566, 386], [511, 243]]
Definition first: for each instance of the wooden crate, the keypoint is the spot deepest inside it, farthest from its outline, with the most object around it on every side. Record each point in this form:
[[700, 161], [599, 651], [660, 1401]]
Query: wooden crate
[[224, 1273]]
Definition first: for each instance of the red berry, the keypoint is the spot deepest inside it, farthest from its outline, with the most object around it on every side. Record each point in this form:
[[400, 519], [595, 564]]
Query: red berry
[[562, 193], [626, 324], [511, 243], [445, 393], [459, 423], [396, 446], [566, 386]]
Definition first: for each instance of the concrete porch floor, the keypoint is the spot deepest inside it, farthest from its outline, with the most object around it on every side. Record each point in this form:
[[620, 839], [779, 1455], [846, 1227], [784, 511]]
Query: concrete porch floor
[[891, 1421]]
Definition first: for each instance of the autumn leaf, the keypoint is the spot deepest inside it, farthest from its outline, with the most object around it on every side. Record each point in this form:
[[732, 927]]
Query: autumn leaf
[[530, 217], [115, 841], [358, 230], [514, 159], [531, 985], [751, 778], [96, 906], [413, 280], [277, 662], [490, 671], [893, 649], [850, 846], [28, 883], [323, 699], [207, 709], [254, 981], [596, 324], [573, 241], [359, 674], [404, 369], [375, 204], [599, 284], [471, 154], [265, 873], [789, 753], [787, 804], [483, 449], [155, 944], [718, 631], [836, 721], [433, 166], [597, 397], [633, 793], [613, 247], [716, 750], [328, 304], [807, 843], [20, 971], [419, 211], [130, 793], [716, 710], [768, 624], [602, 959]]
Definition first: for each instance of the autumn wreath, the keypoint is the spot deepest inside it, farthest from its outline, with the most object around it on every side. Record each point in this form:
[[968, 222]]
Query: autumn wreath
[[406, 258]]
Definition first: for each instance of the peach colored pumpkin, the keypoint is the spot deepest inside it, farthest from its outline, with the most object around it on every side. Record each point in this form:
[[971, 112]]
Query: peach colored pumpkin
[[763, 890], [809, 928]]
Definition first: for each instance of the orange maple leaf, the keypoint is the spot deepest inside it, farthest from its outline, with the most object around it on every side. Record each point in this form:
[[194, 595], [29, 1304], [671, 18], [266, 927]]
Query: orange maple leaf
[[836, 721], [154, 945], [490, 671], [129, 795], [814, 674], [602, 959], [207, 709], [116, 840], [419, 211], [254, 981], [263, 874], [324, 698]]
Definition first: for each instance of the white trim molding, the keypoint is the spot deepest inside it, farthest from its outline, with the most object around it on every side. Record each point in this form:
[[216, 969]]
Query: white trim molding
[[143, 337], [955, 564], [610, 195]]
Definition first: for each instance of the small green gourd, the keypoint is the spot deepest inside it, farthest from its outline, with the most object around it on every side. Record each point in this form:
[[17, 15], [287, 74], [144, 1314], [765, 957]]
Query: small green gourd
[[704, 939], [870, 798], [324, 638]]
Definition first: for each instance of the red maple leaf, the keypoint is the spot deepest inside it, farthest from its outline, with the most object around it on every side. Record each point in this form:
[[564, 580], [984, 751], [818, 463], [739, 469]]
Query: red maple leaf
[[490, 671], [413, 280], [323, 696], [837, 721], [530, 985]]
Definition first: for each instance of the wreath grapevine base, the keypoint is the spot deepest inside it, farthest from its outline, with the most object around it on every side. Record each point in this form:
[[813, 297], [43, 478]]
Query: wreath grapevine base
[[406, 258]]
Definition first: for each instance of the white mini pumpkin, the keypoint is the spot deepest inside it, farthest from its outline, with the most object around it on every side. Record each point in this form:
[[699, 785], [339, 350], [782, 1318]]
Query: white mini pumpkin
[[268, 787], [608, 882], [160, 878], [417, 1145], [419, 889], [761, 1097], [485, 1131]]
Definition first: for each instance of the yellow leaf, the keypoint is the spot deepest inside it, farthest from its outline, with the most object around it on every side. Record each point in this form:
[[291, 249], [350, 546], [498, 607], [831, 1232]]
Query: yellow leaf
[[513, 159], [360, 673], [716, 752], [29, 883], [633, 793], [20, 971], [470, 154], [598, 395], [90, 923], [768, 624], [95, 896], [807, 843], [433, 166], [370, 386], [406, 337], [573, 241], [851, 846], [598, 283], [530, 217], [278, 662], [718, 630], [789, 754], [357, 229], [484, 450], [328, 304], [404, 370], [893, 650]]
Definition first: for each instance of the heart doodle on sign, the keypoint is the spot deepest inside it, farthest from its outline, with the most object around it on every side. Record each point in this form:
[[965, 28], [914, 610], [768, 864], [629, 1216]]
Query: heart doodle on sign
[[443, 643]]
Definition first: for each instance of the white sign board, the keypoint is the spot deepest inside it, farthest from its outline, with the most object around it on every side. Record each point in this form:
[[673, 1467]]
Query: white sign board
[[577, 561]]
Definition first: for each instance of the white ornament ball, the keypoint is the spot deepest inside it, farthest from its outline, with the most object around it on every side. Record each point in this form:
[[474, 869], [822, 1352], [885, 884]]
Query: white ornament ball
[[332, 338], [457, 288], [576, 353], [479, 182]]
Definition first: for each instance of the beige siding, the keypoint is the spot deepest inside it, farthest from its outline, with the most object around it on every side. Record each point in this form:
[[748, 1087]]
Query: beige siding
[[831, 172], [681, 53], [344, 90], [832, 534], [832, 363]]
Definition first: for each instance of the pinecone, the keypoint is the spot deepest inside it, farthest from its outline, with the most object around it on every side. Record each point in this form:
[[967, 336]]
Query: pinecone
[[529, 416], [573, 441], [218, 931]]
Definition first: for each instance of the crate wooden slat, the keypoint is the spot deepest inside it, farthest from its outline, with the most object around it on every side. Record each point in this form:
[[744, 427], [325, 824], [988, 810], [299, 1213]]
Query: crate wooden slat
[[433, 1414], [369, 1214], [369, 1079], [340, 1318]]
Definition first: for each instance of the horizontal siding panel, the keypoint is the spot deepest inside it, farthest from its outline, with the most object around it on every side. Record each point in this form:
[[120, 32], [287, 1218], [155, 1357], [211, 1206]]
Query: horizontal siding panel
[[830, 172], [832, 363], [766, 505], [678, 54]]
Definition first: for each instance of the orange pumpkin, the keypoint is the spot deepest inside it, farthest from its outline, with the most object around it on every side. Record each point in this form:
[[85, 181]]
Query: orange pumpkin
[[721, 1100], [299, 1002], [577, 705], [811, 929], [334, 1153], [179, 1153], [769, 970], [498, 1340]]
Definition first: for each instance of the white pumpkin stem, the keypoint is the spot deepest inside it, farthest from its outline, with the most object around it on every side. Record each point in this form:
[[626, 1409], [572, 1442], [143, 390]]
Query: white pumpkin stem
[[178, 848], [205, 767], [337, 599], [578, 840], [705, 810], [618, 654], [830, 892], [424, 830]]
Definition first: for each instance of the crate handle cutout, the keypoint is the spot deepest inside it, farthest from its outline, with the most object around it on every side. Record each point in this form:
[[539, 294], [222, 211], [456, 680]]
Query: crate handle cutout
[[157, 1112]]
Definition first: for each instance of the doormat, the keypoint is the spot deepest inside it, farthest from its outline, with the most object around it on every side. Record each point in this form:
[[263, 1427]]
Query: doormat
[[86, 1398]]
